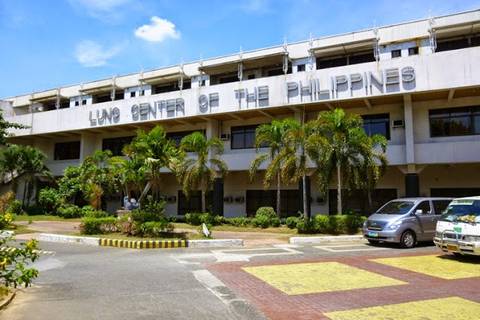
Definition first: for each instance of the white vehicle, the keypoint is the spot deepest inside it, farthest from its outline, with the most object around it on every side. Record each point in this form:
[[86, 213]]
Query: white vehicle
[[458, 230]]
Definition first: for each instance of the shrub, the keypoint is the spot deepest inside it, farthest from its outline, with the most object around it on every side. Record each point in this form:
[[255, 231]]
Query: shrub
[[155, 228], [98, 225], [89, 211], [142, 215], [353, 223], [15, 265], [291, 222], [6, 200], [336, 224], [70, 211], [50, 199], [15, 207], [193, 218], [239, 221], [266, 217], [154, 207], [322, 223], [306, 226], [5, 219]]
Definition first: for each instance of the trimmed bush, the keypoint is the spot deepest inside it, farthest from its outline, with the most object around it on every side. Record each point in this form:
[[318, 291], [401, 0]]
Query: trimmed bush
[[306, 226], [239, 221], [89, 211], [193, 218], [155, 228], [266, 217], [50, 200], [291, 222], [322, 223], [98, 225], [15, 207], [70, 211]]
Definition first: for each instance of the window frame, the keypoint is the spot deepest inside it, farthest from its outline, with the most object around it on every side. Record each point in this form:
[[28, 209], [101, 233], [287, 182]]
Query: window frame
[[370, 118], [71, 155], [448, 114], [244, 128]]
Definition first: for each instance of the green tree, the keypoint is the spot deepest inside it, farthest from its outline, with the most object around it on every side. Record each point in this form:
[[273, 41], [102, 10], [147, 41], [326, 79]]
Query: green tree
[[153, 152], [273, 136], [10, 163], [4, 126], [200, 170], [344, 148], [32, 166]]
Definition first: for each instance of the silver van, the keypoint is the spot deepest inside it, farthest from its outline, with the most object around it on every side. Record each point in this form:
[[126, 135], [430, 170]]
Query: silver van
[[405, 221]]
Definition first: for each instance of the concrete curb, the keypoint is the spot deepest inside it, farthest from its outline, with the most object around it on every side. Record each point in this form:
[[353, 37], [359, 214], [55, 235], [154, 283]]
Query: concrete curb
[[142, 244], [323, 239], [9, 299], [215, 243], [50, 237]]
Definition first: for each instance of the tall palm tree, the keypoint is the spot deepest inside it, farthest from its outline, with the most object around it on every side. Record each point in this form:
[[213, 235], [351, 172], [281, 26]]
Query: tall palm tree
[[11, 161], [272, 135], [200, 171], [33, 166], [155, 152], [345, 149]]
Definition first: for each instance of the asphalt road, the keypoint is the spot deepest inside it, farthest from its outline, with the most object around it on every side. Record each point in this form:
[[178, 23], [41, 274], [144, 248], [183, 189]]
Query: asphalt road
[[82, 282]]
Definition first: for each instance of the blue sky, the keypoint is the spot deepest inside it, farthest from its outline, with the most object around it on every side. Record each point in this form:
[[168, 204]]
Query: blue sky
[[46, 44]]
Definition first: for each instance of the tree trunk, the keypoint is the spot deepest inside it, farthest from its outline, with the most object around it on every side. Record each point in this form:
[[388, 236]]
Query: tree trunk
[[339, 189], [278, 195], [304, 197], [144, 192], [24, 193], [204, 202]]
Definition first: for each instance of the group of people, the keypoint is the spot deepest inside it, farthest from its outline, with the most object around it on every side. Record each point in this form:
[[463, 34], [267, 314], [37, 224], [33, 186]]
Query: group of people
[[130, 204]]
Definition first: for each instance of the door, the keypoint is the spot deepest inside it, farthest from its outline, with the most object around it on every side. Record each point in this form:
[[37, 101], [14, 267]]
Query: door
[[427, 220]]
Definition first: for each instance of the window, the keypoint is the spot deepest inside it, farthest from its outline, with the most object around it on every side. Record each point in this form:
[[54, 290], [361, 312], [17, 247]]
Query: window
[[289, 201], [132, 94], [77, 103], [300, 68], [424, 206], [440, 205], [356, 58], [396, 53], [84, 102], [454, 192], [115, 145], [331, 62], [243, 137], [452, 44], [361, 58], [202, 83], [455, 121], [194, 202], [413, 51], [67, 150], [251, 76], [377, 124], [357, 200], [176, 137], [141, 93]]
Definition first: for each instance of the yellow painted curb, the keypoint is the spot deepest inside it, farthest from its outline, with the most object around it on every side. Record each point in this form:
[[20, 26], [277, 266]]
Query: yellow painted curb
[[143, 244]]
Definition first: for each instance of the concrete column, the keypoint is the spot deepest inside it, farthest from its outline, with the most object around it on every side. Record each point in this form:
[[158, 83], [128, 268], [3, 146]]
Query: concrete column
[[412, 185], [408, 119], [89, 143]]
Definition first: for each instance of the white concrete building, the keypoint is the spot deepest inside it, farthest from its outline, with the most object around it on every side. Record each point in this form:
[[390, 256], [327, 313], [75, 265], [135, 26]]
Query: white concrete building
[[418, 83]]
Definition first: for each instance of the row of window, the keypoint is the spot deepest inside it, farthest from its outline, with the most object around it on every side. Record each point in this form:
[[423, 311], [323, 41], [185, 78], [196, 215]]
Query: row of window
[[443, 123]]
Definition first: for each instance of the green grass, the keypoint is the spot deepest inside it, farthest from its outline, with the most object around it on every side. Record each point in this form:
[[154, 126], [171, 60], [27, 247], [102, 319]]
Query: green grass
[[20, 229], [44, 217], [3, 293], [226, 227]]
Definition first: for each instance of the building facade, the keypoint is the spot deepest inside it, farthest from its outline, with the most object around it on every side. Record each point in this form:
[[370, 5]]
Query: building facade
[[417, 83]]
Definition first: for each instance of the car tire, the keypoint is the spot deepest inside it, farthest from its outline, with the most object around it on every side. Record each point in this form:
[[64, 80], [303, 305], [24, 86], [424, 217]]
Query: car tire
[[408, 239], [457, 254], [373, 242]]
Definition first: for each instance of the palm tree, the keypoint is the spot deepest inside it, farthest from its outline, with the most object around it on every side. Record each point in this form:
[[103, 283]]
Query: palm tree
[[11, 161], [344, 147], [32, 166], [154, 152], [200, 171], [272, 135]]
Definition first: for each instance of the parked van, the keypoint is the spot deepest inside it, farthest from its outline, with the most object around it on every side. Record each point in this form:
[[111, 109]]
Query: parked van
[[405, 221], [458, 230]]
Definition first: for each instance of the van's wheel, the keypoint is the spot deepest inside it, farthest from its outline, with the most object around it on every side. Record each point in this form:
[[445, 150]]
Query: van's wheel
[[373, 242], [458, 254], [408, 239]]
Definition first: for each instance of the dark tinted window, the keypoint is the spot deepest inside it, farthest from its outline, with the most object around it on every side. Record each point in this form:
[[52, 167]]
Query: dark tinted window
[[377, 124], [67, 150], [115, 145], [440, 205], [454, 121], [301, 67], [243, 137], [412, 51], [361, 58], [178, 136], [424, 206], [396, 53], [289, 201], [331, 62], [445, 45], [193, 204]]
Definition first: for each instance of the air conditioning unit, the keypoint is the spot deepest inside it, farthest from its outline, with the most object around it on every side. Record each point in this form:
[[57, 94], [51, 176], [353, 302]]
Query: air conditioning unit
[[225, 137], [398, 123]]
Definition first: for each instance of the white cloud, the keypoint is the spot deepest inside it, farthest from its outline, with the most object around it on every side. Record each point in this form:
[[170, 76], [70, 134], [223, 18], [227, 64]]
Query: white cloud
[[256, 6], [92, 54], [158, 30], [105, 10]]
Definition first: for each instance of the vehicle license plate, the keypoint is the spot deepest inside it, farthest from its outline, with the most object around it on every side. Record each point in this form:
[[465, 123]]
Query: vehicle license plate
[[373, 234], [452, 247]]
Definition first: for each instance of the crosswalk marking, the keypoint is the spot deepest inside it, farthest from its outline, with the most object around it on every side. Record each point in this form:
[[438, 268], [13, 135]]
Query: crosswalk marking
[[40, 252]]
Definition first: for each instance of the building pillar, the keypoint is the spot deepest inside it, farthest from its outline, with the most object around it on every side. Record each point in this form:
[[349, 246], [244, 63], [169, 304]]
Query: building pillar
[[217, 205], [308, 193], [412, 185], [89, 143]]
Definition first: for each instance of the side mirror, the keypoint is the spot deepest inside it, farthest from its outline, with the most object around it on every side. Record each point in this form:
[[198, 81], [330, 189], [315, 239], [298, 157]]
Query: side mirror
[[418, 212]]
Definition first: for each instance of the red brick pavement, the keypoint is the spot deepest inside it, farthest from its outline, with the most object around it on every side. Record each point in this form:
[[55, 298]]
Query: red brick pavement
[[277, 305]]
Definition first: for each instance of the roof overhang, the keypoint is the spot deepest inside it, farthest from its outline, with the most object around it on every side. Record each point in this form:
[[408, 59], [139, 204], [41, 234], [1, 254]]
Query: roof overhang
[[156, 77], [248, 63], [457, 29], [45, 96], [344, 48], [100, 89]]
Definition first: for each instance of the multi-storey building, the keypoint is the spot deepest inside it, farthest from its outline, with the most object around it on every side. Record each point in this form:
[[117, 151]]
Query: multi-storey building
[[417, 83]]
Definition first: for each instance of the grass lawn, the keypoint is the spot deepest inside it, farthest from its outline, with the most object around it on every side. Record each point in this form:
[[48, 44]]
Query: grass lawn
[[44, 217], [3, 293], [226, 227], [20, 229]]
